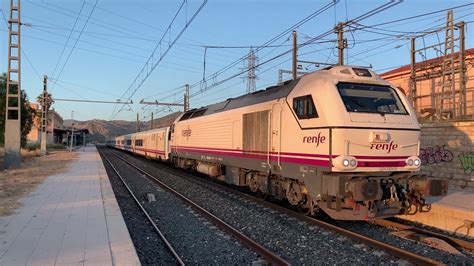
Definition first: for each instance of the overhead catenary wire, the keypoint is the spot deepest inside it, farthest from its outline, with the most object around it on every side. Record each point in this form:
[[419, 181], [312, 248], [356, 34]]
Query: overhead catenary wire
[[358, 40], [75, 43], [150, 65], [266, 44], [68, 37], [323, 35], [23, 50], [374, 40]]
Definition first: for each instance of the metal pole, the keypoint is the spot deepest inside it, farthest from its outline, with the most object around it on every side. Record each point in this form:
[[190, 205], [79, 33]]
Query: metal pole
[[138, 123], [462, 73], [72, 131], [44, 115], [186, 98], [12, 146], [84, 139], [295, 56], [72, 138], [151, 122], [412, 93], [340, 43]]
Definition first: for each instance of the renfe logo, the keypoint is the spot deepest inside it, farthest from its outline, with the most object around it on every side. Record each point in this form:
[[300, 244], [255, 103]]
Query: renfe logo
[[314, 139], [385, 146], [186, 133]]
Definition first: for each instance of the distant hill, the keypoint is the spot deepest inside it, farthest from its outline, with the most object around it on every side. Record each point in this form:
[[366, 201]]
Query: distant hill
[[101, 130]]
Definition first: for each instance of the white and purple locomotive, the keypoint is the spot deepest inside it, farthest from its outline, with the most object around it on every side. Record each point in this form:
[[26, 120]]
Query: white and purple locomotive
[[340, 139]]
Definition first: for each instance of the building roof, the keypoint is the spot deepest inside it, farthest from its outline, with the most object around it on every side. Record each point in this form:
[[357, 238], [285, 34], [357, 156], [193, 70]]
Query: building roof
[[430, 61]]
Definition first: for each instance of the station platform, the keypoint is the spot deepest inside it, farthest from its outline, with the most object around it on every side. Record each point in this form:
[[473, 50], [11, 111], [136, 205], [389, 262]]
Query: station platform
[[454, 213], [71, 218]]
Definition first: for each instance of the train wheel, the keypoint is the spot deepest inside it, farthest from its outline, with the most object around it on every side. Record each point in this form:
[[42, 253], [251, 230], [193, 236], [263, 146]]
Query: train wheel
[[303, 209]]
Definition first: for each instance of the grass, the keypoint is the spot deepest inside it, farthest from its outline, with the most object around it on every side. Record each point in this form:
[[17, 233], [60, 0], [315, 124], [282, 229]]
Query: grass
[[17, 183]]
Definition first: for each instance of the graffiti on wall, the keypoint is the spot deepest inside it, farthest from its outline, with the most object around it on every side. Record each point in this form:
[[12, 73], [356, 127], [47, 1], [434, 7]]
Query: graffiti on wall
[[467, 161], [436, 154]]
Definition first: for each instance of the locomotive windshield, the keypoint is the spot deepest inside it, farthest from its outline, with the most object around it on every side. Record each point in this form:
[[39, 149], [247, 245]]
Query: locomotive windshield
[[367, 98]]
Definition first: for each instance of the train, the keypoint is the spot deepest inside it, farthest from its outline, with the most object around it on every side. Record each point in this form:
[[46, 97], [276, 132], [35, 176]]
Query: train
[[339, 140]]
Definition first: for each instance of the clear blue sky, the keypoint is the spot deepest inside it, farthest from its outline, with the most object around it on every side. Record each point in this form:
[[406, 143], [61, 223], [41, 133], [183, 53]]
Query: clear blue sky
[[121, 35]]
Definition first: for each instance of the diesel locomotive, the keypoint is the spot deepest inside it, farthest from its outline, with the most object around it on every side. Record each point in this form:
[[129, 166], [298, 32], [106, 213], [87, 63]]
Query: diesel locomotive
[[341, 140]]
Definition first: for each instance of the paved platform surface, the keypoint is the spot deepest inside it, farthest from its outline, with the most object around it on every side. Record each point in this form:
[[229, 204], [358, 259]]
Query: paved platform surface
[[454, 213], [71, 218]]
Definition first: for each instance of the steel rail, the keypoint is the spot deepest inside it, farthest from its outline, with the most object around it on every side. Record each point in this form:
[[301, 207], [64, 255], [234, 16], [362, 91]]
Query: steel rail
[[163, 238], [395, 251], [264, 252], [451, 240]]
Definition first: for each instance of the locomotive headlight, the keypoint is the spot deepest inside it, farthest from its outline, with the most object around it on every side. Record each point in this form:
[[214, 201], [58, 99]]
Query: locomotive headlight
[[413, 163], [353, 162], [417, 162], [345, 162]]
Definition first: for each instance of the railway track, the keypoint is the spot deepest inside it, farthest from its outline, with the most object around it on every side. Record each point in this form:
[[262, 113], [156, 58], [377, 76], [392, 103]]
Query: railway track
[[460, 243], [236, 234], [165, 241], [376, 244]]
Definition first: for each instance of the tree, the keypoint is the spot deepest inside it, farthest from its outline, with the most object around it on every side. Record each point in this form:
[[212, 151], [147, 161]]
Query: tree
[[49, 101], [27, 113]]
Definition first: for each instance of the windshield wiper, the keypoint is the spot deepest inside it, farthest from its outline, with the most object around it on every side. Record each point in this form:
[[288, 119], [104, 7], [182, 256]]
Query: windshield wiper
[[357, 103]]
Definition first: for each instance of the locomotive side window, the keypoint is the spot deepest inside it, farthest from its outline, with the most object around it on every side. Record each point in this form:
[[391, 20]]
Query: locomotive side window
[[366, 98], [129, 142], [304, 107]]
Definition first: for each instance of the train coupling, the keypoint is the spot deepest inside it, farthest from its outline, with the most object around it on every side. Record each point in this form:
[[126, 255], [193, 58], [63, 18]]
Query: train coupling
[[420, 187], [428, 187]]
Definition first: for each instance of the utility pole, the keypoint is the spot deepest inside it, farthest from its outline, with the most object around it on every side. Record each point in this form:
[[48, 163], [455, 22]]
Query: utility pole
[[186, 97], [447, 98], [72, 132], [412, 83], [462, 73], [185, 104], [341, 42], [151, 121], [12, 146], [138, 123], [251, 76], [294, 65], [445, 101], [44, 115]]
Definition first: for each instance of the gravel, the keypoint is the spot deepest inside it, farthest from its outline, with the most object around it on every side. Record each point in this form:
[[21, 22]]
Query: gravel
[[193, 237], [149, 247], [384, 234], [295, 241]]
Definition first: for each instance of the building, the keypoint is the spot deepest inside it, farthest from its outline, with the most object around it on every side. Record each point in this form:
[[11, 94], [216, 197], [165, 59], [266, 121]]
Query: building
[[447, 143], [428, 84], [35, 133], [55, 121], [56, 132]]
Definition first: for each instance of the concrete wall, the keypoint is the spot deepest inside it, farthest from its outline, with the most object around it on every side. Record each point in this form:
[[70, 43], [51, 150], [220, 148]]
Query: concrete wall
[[447, 151]]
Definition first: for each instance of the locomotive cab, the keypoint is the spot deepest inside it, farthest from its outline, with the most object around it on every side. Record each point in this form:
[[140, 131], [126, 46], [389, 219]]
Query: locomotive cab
[[370, 134]]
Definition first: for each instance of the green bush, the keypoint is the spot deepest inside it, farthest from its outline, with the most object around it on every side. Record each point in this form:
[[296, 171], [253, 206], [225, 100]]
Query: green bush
[[32, 146], [57, 146]]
